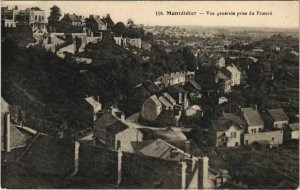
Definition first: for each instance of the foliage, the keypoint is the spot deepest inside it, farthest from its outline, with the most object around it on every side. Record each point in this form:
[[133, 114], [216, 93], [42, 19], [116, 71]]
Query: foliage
[[19, 36], [55, 14]]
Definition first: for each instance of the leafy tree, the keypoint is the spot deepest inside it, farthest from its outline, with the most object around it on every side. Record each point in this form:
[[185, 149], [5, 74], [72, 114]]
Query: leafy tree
[[119, 28], [55, 14]]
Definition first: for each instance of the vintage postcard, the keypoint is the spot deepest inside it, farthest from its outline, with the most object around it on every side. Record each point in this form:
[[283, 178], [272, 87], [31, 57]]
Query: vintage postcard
[[150, 94]]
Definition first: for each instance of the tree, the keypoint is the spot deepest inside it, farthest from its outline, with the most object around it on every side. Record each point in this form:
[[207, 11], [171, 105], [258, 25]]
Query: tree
[[55, 14], [119, 28]]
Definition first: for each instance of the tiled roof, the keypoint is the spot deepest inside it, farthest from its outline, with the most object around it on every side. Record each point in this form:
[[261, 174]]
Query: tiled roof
[[161, 149], [235, 117], [252, 116], [165, 102], [118, 127], [195, 84], [155, 100], [169, 98], [164, 134], [157, 149], [104, 121], [278, 114], [74, 18], [223, 124], [294, 126]]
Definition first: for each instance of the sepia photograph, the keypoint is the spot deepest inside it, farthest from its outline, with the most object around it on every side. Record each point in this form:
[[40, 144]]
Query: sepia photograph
[[149, 94]]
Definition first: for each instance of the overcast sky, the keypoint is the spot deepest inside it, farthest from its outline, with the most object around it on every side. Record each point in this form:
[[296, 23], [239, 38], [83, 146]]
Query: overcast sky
[[285, 14]]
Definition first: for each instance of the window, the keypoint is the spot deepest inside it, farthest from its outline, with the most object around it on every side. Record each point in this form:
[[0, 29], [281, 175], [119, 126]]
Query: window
[[259, 129], [233, 134], [275, 125], [246, 142], [254, 130], [273, 138], [36, 17], [118, 144]]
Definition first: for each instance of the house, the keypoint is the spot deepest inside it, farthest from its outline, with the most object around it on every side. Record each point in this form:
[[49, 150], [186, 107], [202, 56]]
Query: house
[[224, 78], [194, 110], [95, 106], [8, 17], [108, 21], [268, 138], [255, 123], [151, 108], [128, 41], [189, 75], [120, 136], [112, 131], [179, 95], [235, 75], [211, 78], [276, 118], [168, 117], [95, 24], [160, 149], [225, 133], [292, 131], [177, 78], [71, 19], [236, 118], [34, 17], [193, 88]]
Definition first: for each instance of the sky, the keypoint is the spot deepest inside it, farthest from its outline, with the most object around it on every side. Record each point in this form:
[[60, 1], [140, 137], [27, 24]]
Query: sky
[[285, 14]]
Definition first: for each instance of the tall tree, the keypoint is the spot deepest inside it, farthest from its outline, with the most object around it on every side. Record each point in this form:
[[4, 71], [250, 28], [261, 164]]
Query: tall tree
[[55, 14]]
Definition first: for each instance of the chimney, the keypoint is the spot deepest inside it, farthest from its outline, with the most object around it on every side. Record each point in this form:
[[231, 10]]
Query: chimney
[[256, 107], [119, 167], [203, 173], [123, 117], [183, 174], [91, 16], [187, 146], [16, 7], [98, 98], [7, 132], [76, 158], [108, 15]]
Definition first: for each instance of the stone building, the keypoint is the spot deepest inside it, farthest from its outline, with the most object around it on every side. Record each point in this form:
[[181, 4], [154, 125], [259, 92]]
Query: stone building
[[151, 108], [225, 133]]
